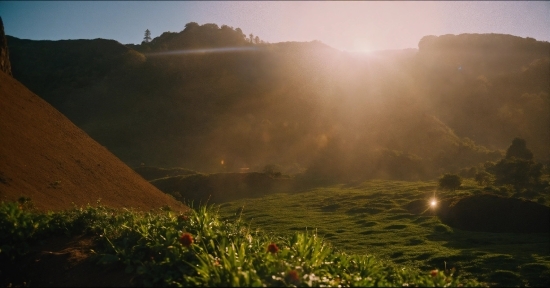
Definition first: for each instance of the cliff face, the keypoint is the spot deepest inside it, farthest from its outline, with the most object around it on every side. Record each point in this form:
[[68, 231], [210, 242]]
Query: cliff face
[[4, 54]]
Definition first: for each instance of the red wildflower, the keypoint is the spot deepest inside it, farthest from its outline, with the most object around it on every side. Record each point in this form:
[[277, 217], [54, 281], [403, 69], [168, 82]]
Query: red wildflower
[[186, 239], [273, 248], [183, 217], [433, 273], [293, 276]]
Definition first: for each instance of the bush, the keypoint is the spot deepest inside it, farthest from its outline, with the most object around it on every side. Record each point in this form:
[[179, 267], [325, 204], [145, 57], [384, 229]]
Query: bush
[[272, 170], [483, 178], [450, 182]]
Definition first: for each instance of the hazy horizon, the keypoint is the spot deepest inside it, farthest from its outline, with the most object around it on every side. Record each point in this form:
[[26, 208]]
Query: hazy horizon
[[349, 26]]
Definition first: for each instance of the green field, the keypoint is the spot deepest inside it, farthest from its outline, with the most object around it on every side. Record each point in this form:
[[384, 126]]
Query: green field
[[372, 218]]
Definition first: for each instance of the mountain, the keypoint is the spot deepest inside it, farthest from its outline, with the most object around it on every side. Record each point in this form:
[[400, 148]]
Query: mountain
[[209, 100], [52, 69], [488, 87], [45, 157]]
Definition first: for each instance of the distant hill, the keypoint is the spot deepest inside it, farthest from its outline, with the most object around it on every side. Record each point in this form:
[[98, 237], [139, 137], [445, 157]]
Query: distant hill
[[152, 173], [52, 69], [489, 86], [45, 157], [481, 54], [220, 187], [303, 106], [195, 36]]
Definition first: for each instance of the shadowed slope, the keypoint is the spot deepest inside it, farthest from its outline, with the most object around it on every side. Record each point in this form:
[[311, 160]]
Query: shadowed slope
[[491, 213], [44, 156]]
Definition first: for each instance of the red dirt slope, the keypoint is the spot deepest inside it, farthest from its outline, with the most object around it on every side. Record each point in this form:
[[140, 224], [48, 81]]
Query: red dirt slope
[[44, 156]]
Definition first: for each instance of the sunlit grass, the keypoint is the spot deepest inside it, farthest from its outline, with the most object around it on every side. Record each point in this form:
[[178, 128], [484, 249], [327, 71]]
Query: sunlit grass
[[371, 218], [200, 249]]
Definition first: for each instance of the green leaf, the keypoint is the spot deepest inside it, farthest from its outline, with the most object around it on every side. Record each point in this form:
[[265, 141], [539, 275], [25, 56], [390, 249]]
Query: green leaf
[[129, 269], [108, 259]]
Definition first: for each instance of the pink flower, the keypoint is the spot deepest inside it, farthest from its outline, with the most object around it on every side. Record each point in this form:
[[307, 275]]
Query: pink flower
[[293, 276], [273, 248], [186, 239], [433, 273]]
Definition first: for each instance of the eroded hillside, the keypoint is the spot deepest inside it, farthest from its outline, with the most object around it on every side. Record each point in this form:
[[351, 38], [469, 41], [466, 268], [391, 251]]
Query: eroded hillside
[[47, 159]]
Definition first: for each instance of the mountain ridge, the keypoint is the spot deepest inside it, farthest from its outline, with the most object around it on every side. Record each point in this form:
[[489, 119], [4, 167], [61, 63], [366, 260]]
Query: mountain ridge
[[283, 103]]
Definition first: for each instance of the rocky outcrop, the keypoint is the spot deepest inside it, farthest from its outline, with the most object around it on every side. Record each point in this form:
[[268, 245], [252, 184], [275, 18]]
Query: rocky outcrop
[[4, 53]]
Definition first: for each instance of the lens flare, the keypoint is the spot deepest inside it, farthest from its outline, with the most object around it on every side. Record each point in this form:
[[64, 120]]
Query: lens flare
[[433, 203], [204, 51]]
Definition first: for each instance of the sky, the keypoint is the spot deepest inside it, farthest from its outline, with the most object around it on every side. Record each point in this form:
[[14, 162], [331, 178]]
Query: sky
[[351, 26]]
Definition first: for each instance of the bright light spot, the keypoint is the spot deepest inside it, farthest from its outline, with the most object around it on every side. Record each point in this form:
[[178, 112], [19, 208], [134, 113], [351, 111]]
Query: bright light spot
[[222, 162], [433, 203], [361, 45]]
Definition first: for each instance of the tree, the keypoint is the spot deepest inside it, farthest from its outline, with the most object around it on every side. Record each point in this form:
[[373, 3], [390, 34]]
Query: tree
[[519, 150], [191, 25], [147, 37], [450, 181], [240, 32], [518, 167], [518, 172], [256, 40], [272, 170], [251, 38]]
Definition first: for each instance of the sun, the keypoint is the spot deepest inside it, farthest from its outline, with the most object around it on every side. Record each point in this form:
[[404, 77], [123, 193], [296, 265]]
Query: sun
[[361, 45], [433, 203]]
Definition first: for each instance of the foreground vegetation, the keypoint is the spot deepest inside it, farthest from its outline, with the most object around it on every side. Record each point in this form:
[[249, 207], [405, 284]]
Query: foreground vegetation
[[199, 249]]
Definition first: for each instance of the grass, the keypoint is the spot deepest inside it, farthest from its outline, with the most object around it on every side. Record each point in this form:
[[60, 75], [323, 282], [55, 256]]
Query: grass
[[372, 218], [201, 249]]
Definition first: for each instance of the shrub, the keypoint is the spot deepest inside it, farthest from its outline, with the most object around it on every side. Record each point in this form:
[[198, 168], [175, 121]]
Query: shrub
[[483, 178], [450, 182], [272, 170]]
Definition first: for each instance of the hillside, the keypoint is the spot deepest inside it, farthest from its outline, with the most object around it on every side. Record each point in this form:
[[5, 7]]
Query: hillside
[[454, 103], [488, 87], [45, 157]]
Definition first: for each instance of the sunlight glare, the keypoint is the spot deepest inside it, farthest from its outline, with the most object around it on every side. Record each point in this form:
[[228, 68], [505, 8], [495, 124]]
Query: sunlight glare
[[205, 51], [433, 203]]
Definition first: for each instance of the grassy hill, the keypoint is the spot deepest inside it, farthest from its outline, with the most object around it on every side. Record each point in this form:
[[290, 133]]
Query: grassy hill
[[393, 220]]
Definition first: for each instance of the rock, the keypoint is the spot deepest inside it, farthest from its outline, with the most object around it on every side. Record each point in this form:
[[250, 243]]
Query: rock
[[4, 53]]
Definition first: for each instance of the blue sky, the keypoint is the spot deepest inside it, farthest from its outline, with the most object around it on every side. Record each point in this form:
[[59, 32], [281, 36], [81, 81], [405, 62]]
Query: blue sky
[[352, 26]]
